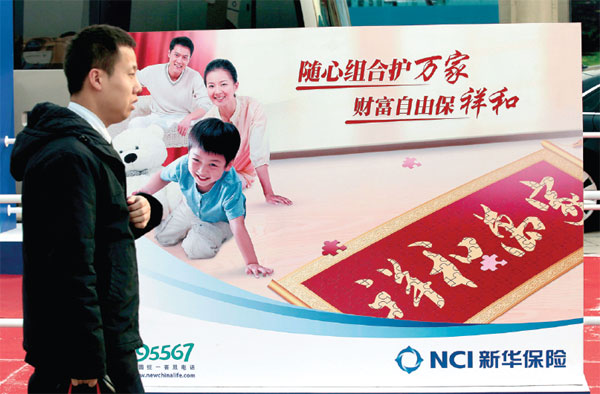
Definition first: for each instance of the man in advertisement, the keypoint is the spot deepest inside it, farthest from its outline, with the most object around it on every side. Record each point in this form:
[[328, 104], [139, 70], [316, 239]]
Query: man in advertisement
[[80, 281], [178, 93]]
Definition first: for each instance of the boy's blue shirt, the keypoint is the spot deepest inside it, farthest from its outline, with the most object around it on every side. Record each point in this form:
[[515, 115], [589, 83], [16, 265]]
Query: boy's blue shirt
[[222, 203]]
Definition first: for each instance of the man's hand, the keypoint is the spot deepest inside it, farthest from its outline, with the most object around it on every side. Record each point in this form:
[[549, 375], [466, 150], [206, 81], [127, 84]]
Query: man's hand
[[139, 211], [89, 382], [257, 269], [183, 126]]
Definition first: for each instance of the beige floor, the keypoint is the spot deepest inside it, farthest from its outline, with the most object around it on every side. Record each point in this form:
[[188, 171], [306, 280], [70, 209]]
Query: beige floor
[[342, 197]]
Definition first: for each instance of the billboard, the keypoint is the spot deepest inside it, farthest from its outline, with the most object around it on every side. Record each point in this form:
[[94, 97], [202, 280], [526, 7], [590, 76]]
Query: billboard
[[435, 238]]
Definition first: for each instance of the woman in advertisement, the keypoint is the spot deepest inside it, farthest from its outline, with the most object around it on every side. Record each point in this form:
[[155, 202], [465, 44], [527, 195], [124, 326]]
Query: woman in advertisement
[[247, 114]]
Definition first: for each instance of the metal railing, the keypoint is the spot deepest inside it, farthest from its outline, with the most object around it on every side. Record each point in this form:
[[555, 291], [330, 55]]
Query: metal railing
[[11, 199], [590, 198], [8, 141]]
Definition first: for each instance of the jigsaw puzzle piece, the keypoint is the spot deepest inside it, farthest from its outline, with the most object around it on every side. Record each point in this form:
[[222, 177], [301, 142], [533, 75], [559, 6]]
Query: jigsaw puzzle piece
[[410, 162], [490, 263], [331, 248]]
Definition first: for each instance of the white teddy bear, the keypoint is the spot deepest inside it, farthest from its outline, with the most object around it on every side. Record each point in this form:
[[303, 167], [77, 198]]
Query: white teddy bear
[[143, 151]]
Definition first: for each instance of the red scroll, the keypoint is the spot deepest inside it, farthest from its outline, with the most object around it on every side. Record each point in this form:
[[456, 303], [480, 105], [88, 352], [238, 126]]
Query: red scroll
[[466, 256]]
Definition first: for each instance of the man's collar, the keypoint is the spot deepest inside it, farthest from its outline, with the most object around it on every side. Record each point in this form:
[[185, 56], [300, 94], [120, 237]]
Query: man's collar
[[169, 77], [91, 118]]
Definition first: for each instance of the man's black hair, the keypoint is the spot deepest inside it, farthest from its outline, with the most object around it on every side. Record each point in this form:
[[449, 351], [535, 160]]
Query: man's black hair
[[96, 46], [215, 136], [183, 41]]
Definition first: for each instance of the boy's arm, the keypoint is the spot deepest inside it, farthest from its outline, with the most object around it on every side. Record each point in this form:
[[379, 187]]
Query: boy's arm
[[155, 183], [242, 238]]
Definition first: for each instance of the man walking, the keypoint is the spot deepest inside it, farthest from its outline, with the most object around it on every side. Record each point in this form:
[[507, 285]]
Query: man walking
[[80, 279]]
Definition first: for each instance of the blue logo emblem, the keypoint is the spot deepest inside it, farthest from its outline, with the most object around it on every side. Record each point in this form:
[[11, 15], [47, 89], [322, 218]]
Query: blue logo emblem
[[405, 363]]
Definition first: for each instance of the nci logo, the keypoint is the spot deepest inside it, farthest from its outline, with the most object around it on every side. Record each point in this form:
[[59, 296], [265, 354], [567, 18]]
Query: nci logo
[[409, 359], [458, 359]]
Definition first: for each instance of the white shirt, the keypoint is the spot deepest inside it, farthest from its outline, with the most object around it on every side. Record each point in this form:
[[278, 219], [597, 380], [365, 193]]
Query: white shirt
[[169, 97], [91, 118]]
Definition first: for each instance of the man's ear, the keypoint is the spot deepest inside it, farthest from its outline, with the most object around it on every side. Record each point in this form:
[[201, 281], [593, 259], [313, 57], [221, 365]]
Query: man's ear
[[94, 77]]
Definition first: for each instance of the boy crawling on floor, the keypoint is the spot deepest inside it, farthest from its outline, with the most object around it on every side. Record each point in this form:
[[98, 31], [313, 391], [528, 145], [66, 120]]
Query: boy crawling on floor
[[214, 206]]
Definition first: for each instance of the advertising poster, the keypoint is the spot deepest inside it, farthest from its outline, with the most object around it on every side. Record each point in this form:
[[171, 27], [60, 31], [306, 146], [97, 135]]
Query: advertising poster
[[435, 238]]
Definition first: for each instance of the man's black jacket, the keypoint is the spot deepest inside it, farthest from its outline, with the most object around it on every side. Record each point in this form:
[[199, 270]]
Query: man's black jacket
[[80, 279]]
